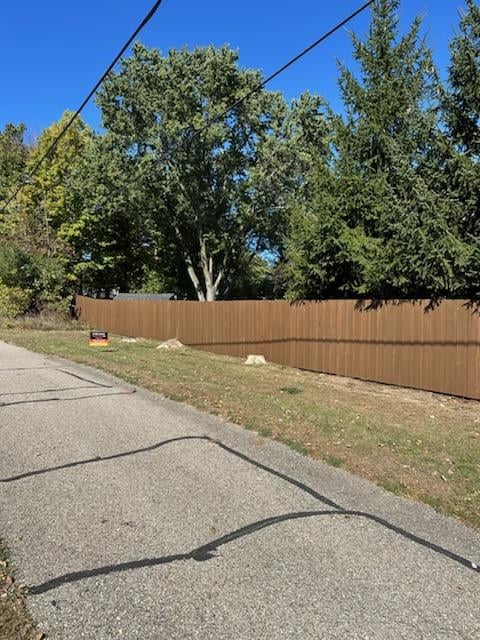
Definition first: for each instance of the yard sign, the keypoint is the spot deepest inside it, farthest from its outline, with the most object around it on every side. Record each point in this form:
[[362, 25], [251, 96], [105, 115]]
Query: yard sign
[[98, 339]]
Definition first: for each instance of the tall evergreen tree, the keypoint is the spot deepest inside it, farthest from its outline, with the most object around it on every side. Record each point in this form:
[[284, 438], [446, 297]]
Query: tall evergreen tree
[[395, 219], [462, 116], [392, 153], [463, 103]]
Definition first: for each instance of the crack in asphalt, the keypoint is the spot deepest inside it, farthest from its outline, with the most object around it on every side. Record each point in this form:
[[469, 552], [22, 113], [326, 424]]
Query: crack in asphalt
[[206, 551]]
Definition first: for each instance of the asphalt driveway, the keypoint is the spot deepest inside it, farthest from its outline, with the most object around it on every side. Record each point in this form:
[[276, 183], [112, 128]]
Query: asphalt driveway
[[131, 516]]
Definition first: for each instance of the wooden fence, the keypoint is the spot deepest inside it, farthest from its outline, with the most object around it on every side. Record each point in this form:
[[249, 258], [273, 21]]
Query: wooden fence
[[396, 343]]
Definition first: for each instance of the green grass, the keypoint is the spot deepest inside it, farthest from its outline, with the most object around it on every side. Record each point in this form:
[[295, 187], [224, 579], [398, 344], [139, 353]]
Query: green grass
[[266, 433], [398, 489], [333, 461], [293, 391], [296, 446], [415, 444]]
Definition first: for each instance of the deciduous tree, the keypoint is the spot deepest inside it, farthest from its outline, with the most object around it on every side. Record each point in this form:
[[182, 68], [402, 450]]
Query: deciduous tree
[[216, 193]]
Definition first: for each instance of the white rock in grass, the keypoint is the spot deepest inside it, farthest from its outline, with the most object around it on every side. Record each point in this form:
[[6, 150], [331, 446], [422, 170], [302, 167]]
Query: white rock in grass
[[255, 360], [171, 345], [129, 340]]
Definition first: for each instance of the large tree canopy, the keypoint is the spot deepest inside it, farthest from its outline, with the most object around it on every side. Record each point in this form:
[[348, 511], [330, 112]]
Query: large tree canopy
[[217, 193], [39, 256], [114, 244], [45, 201]]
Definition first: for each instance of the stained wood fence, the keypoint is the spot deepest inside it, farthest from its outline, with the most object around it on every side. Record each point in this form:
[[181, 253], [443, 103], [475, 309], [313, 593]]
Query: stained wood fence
[[398, 343]]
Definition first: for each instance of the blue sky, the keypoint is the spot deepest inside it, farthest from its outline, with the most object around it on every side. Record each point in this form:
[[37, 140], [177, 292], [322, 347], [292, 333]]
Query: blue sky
[[53, 52]]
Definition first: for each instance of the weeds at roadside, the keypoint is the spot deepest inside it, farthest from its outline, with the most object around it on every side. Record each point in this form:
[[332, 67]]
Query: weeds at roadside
[[15, 621]]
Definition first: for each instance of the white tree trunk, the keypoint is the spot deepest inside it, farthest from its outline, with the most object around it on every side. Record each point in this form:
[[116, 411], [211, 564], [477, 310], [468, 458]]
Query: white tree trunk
[[194, 278], [211, 294], [208, 292]]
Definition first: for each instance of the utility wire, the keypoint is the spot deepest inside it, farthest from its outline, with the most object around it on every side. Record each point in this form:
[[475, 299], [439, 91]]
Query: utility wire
[[166, 155], [54, 144], [276, 73], [213, 119]]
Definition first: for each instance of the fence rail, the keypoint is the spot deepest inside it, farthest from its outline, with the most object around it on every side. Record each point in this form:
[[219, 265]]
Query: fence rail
[[396, 343]]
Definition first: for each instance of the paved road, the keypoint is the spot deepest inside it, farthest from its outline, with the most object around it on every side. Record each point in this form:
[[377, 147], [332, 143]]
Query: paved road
[[131, 516]]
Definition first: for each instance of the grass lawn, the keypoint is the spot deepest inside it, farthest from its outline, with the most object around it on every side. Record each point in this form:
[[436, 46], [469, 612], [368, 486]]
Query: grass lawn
[[413, 443]]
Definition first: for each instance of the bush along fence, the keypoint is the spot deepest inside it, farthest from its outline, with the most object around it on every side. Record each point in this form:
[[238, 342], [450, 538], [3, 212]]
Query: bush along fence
[[406, 343]]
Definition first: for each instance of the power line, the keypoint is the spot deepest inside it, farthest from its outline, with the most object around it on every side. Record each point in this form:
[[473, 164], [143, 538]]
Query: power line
[[213, 119], [283, 68], [54, 144]]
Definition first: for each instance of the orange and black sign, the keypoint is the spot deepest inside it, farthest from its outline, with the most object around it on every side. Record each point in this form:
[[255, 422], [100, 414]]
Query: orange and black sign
[[98, 339]]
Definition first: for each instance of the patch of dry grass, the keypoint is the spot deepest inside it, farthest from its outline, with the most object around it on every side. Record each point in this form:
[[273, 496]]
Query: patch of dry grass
[[45, 321], [416, 444], [15, 622]]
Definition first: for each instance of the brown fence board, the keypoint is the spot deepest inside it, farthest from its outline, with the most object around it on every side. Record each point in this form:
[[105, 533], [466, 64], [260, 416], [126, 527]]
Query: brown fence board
[[402, 343]]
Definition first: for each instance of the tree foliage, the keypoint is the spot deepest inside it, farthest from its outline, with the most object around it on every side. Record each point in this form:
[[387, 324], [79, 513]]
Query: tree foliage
[[13, 156], [37, 254], [462, 117], [213, 193], [174, 194], [382, 220], [463, 103], [111, 236], [45, 205]]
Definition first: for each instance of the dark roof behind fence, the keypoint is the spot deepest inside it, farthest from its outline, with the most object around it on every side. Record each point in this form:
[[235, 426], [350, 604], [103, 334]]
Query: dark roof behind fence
[[145, 296]]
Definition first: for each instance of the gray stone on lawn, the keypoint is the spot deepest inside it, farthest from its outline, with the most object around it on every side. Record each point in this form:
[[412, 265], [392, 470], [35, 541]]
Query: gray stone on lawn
[[171, 345]]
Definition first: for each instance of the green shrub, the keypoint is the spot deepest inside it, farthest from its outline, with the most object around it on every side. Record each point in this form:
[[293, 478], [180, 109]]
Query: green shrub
[[14, 301], [50, 287], [17, 267]]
